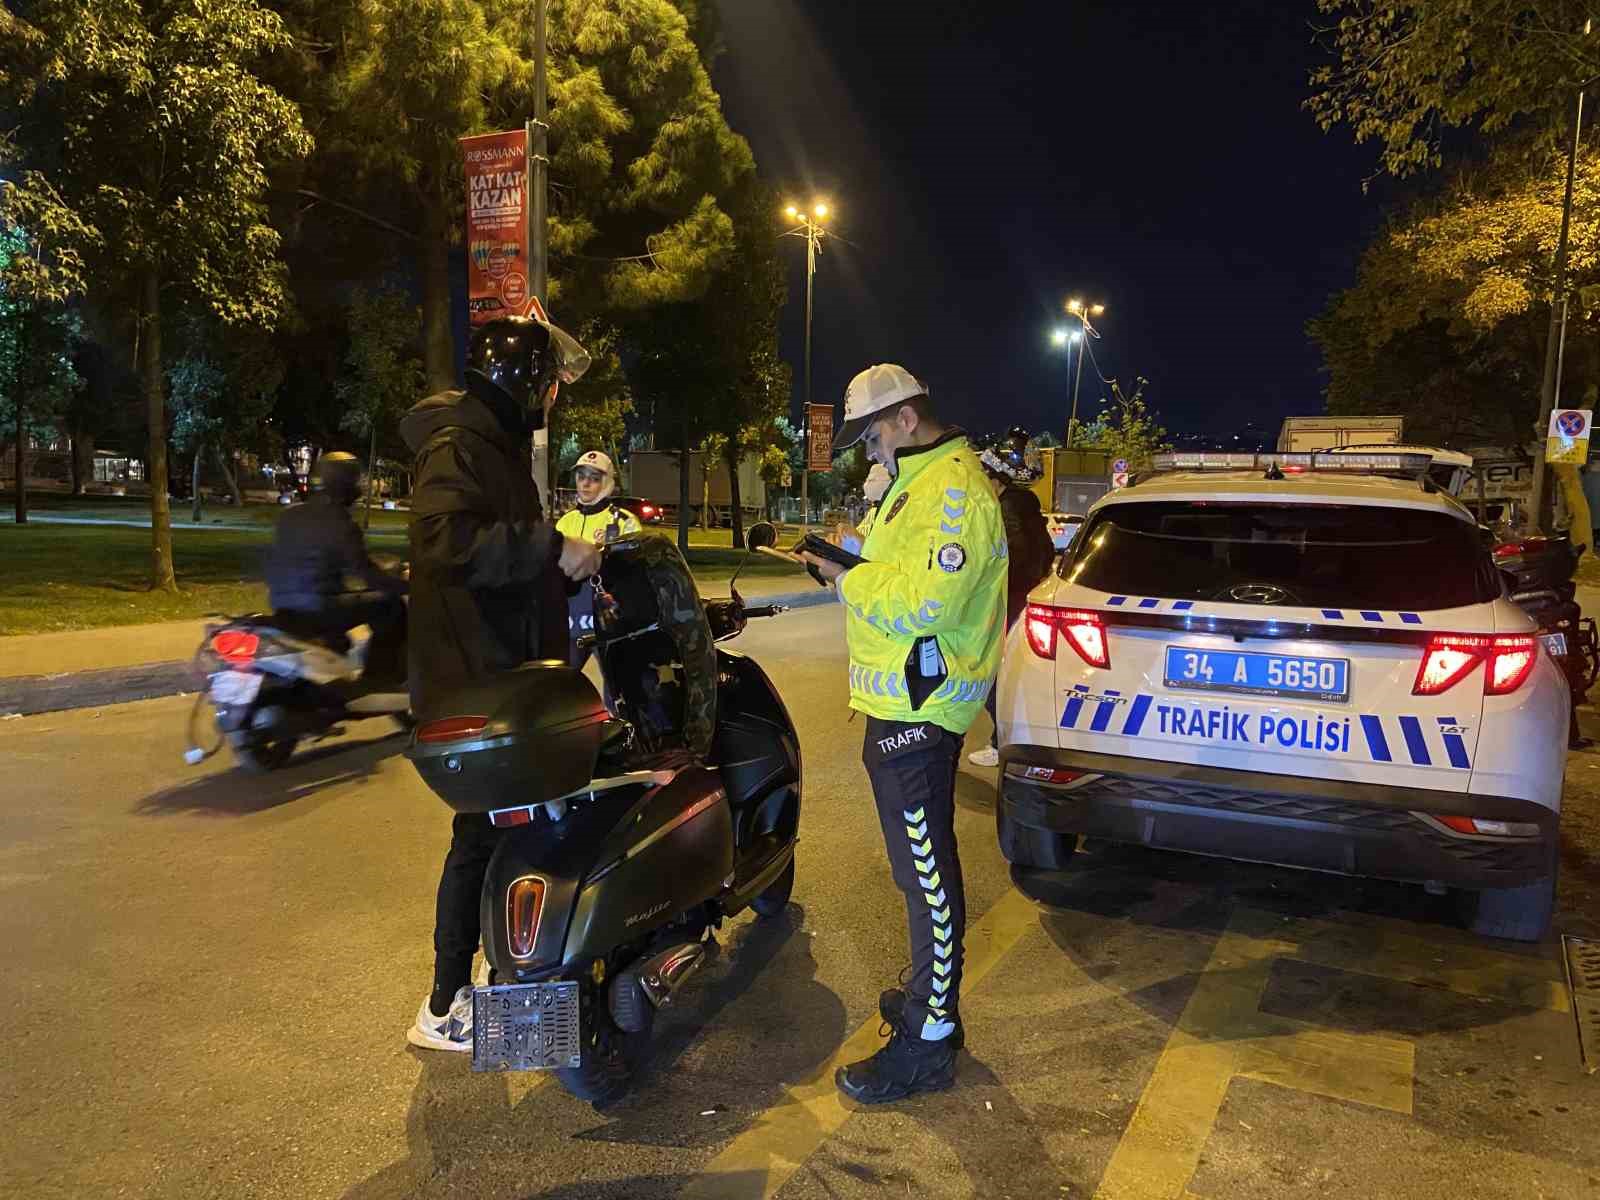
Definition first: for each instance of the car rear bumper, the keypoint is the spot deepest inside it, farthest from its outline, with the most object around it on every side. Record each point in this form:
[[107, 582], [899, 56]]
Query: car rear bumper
[[1318, 824]]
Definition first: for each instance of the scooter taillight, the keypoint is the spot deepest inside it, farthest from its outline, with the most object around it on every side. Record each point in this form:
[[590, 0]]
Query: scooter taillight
[[524, 904], [452, 729], [235, 646]]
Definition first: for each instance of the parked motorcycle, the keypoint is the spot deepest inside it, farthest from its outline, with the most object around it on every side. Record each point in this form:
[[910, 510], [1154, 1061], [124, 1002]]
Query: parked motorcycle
[[1539, 574], [270, 690], [631, 835]]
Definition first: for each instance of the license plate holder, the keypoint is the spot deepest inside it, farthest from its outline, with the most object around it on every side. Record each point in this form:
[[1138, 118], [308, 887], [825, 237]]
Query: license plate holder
[[526, 1027], [1555, 644], [1247, 673], [229, 689]]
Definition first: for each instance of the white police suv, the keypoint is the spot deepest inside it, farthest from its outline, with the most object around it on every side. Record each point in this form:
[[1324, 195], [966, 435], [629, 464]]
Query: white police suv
[[1297, 659]]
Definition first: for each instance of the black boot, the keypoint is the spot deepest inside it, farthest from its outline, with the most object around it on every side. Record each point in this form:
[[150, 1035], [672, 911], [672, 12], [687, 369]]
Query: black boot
[[892, 1008], [906, 1066]]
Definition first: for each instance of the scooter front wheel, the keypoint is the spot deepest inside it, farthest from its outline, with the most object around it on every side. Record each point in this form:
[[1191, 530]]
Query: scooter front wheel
[[775, 899]]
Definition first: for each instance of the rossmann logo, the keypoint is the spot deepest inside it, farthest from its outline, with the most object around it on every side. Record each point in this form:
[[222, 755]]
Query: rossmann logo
[[493, 153]]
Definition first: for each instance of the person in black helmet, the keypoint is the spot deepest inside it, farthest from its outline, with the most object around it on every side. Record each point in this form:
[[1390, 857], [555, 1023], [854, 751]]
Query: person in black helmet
[[315, 549], [488, 590]]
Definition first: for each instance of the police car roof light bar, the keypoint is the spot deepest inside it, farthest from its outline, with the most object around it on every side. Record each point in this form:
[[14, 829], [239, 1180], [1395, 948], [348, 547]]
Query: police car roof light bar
[[1407, 465]]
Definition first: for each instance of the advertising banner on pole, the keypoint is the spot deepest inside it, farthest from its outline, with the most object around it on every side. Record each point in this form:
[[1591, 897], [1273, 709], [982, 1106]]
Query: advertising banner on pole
[[819, 437], [497, 225]]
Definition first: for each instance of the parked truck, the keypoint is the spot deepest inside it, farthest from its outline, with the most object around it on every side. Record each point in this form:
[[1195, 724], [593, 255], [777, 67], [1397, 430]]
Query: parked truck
[[1302, 434], [653, 476]]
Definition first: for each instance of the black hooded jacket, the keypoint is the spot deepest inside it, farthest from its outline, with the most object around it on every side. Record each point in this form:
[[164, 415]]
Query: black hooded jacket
[[1028, 546], [486, 594]]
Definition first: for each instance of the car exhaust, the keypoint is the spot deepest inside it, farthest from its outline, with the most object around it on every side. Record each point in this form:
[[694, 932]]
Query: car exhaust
[[652, 982]]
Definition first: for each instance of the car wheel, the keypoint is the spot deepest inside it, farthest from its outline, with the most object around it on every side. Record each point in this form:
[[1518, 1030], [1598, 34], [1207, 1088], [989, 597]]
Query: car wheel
[[1026, 846], [1520, 914]]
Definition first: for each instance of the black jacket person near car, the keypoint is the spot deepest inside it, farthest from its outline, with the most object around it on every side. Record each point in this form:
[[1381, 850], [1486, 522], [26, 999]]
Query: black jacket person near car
[[488, 589]]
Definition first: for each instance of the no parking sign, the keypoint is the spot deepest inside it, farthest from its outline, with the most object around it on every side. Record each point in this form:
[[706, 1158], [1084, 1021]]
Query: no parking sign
[[1568, 441]]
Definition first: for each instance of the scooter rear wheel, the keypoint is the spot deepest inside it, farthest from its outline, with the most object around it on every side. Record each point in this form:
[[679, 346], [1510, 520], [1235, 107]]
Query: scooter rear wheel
[[609, 1059], [260, 757]]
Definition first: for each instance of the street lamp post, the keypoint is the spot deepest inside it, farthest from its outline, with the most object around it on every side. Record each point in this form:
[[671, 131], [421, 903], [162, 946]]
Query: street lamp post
[[811, 226], [1085, 331]]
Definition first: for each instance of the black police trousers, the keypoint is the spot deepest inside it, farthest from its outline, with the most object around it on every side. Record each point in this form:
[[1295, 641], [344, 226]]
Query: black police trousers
[[913, 771]]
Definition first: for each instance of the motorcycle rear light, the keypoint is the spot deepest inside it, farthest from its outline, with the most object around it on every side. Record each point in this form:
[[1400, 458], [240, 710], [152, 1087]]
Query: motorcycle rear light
[[1451, 657], [1084, 631], [504, 818], [452, 729], [1483, 827], [235, 646], [524, 905]]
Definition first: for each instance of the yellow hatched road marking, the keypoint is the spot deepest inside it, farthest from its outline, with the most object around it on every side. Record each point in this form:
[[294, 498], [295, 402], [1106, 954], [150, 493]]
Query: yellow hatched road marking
[[762, 1159]]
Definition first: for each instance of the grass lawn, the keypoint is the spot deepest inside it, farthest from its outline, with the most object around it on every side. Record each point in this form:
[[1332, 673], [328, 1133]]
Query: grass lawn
[[59, 577]]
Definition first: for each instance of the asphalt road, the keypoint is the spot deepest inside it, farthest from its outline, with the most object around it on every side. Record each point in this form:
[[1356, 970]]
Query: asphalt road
[[210, 975]]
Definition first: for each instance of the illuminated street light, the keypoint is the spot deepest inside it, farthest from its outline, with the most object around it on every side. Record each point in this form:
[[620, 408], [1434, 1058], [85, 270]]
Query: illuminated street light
[[809, 226], [1078, 337]]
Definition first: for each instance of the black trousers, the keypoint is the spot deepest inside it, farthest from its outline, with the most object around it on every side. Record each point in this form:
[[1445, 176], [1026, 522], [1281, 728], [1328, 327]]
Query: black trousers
[[912, 767], [455, 928], [384, 614]]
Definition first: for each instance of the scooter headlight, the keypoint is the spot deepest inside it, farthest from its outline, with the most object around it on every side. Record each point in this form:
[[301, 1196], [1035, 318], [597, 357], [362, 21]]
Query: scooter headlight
[[524, 906]]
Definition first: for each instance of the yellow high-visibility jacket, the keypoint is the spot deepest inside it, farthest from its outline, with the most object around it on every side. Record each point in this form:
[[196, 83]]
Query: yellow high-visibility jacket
[[936, 568], [593, 526]]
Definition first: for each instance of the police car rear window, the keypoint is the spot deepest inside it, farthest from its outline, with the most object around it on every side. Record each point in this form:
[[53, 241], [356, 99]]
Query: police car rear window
[[1336, 556]]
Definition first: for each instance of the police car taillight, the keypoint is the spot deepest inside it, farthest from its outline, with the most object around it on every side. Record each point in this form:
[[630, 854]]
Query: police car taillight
[[1508, 660], [1084, 631]]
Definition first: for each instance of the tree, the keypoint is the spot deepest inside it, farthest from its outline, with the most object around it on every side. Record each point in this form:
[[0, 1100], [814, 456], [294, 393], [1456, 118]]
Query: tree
[[1406, 71], [382, 375], [1127, 429], [1446, 322], [154, 132], [639, 146]]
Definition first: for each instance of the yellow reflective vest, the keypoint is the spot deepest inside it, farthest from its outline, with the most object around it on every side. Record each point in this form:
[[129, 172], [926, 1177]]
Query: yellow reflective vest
[[936, 568], [594, 525]]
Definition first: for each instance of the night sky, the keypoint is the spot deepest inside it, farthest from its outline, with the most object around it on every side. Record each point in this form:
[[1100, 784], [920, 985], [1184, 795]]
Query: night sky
[[989, 158]]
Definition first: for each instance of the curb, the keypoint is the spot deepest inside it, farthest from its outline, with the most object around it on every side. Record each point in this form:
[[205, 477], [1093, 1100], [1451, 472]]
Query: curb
[[33, 695]]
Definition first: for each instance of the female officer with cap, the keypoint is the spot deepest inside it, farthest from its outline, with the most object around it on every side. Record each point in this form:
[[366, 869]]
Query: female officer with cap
[[599, 520]]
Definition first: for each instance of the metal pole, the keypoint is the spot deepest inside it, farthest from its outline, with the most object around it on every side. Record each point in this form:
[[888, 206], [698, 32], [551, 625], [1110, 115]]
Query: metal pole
[[1083, 348], [805, 430], [539, 164], [1550, 389]]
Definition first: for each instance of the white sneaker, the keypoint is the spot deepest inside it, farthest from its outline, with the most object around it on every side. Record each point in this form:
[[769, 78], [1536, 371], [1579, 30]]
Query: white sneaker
[[987, 757], [453, 1031]]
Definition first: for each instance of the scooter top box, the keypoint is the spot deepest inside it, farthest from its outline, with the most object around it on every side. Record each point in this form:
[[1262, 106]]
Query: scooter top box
[[522, 737]]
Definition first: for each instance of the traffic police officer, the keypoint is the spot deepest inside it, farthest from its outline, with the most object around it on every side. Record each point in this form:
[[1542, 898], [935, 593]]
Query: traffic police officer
[[597, 519], [925, 621]]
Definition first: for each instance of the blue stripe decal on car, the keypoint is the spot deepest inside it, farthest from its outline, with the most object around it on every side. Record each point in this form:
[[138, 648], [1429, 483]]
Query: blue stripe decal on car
[[1411, 618], [1183, 606], [1375, 618], [1376, 742], [1102, 716], [1136, 715], [1069, 717], [1149, 603], [1333, 614], [1116, 600], [1415, 742], [1454, 744]]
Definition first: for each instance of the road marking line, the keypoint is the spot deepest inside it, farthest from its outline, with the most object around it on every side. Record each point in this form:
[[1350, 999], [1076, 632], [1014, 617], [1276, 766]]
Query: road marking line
[[1222, 1033], [762, 1159]]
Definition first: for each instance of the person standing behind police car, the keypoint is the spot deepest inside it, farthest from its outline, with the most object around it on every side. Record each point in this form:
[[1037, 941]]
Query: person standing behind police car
[[599, 520], [925, 616]]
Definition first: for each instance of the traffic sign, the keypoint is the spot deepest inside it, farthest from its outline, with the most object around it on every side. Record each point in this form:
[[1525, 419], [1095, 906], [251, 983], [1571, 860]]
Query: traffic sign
[[1119, 466], [1119, 479], [1568, 441]]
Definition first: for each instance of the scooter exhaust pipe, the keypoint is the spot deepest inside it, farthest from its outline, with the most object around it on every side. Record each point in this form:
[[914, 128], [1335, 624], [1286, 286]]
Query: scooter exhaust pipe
[[652, 983]]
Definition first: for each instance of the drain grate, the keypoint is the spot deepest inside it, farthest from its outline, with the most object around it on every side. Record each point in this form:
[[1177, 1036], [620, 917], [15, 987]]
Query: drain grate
[[1583, 980]]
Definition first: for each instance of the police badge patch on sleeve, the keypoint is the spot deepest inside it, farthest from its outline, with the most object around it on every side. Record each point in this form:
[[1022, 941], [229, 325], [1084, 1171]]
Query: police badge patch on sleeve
[[952, 557]]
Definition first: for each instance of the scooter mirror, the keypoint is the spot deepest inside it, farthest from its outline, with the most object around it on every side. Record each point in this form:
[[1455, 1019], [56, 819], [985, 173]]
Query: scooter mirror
[[761, 535]]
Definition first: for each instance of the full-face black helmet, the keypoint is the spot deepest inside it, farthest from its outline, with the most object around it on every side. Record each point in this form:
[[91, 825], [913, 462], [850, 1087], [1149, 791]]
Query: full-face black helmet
[[526, 360]]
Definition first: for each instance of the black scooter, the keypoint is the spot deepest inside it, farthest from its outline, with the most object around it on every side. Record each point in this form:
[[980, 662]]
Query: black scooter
[[1539, 579], [629, 836]]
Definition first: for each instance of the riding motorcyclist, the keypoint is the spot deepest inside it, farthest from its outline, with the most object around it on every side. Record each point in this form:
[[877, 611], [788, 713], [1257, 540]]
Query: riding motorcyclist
[[488, 590], [315, 548], [1030, 552], [598, 519]]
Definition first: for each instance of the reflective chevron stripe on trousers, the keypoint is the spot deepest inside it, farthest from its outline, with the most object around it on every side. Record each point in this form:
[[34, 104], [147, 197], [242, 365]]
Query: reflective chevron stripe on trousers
[[913, 771]]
